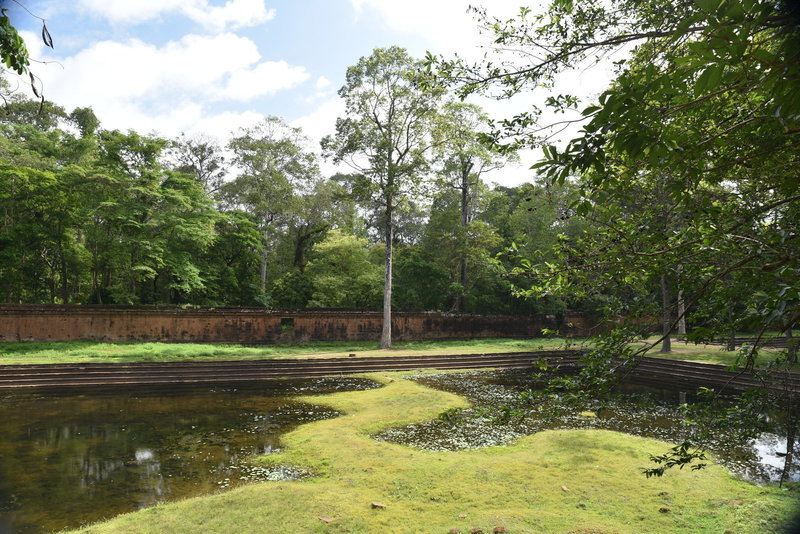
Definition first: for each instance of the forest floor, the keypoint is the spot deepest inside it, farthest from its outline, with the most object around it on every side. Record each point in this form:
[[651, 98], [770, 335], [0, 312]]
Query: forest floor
[[570, 481], [13, 353]]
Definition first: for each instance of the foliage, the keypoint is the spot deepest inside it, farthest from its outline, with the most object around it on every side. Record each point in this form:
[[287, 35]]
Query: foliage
[[200, 157], [275, 168], [292, 290], [12, 47], [679, 455], [344, 273], [230, 264], [685, 166], [385, 136], [420, 283], [14, 53], [702, 116], [99, 216]]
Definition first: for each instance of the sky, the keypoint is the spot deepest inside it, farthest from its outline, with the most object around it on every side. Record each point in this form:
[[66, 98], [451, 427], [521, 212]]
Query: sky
[[214, 66]]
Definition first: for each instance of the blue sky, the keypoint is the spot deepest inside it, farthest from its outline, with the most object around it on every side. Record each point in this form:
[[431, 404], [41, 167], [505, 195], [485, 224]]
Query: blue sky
[[212, 66]]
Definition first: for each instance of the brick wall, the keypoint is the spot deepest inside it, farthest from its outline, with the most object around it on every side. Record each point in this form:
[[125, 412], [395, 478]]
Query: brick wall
[[257, 325]]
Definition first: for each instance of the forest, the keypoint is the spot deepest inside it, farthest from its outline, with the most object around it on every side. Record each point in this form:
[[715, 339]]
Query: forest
[[678, 196], [95, 216]]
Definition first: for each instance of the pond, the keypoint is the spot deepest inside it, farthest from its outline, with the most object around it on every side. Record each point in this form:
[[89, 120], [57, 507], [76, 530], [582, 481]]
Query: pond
[[72, 458], [633, 408]]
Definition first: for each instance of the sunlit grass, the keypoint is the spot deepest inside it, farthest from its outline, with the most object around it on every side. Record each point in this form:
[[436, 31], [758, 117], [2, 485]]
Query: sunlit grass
[[90, 351], [554, 481], [712, 353]]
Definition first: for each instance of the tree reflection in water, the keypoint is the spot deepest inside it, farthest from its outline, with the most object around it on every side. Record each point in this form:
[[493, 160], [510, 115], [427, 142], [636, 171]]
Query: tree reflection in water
[[68, 459]]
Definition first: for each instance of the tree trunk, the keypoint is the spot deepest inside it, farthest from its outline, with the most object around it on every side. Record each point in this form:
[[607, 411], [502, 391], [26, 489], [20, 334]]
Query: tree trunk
[[462, 267], [791, 431], [63, 271], [666, 345], [386, 333], [64, 281], [263, 274], [300, 245], [791, 345], [731, 346], [681, 316]]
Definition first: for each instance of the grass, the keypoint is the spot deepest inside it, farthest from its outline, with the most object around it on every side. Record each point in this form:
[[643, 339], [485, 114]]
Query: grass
[[711, 354], [576, 481], [91, 351]]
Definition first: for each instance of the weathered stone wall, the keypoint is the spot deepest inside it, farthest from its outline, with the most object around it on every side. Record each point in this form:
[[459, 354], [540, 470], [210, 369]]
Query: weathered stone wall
[[257, 325]]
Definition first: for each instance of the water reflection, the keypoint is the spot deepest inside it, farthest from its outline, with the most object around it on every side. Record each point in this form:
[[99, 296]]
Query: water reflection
[[72, 458]]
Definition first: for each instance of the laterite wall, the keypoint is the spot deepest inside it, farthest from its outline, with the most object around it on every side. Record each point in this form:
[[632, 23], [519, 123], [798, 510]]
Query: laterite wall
[[256, 325]]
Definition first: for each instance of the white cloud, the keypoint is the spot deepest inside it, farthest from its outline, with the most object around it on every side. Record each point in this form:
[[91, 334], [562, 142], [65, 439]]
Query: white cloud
[[446, 24], [233, 14], [134, 84], [264, 78], [321, 121], [221, 125], [322, 82], [318, 124], [110, 70]]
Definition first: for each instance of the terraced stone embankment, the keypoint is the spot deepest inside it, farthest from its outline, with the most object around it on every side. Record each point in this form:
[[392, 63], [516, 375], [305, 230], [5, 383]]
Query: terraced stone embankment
[[677, 372]]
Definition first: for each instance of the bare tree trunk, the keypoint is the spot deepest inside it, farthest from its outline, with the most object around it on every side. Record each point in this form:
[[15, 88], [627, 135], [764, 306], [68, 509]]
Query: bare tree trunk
[[263, 280], [791, 431], [462, 267], [666, 345], [64, 281], [681, 316], [791, 345], [731, 346], [386, 333]]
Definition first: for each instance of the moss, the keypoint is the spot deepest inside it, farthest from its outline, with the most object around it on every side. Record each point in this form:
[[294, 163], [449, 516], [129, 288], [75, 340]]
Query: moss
[[555, 481]]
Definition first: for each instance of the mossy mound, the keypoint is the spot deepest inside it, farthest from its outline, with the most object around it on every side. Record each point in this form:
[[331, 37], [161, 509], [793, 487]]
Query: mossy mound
[[554, 481]]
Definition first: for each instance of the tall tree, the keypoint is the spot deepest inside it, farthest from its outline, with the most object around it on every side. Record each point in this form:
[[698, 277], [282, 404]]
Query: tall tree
[[463, 159], [384, 136], [275, 168], [201, 157]]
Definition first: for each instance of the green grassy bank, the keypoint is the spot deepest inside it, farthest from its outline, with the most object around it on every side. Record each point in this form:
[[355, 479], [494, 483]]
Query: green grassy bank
[[576, 481], [711, 354], [92, 351]]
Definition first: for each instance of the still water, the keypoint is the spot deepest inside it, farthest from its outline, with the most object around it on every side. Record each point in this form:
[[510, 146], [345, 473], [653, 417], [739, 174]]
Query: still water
[[68, 459], [633, 408]]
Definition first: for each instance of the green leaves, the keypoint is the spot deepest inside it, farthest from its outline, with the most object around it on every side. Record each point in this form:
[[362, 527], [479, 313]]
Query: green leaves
[[709, 80], [709, 6], [678, 456], [12, 47]]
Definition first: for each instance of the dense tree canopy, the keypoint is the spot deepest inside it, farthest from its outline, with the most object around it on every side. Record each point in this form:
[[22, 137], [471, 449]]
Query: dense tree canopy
[[686, 164], [684, 170], [100, 216]]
